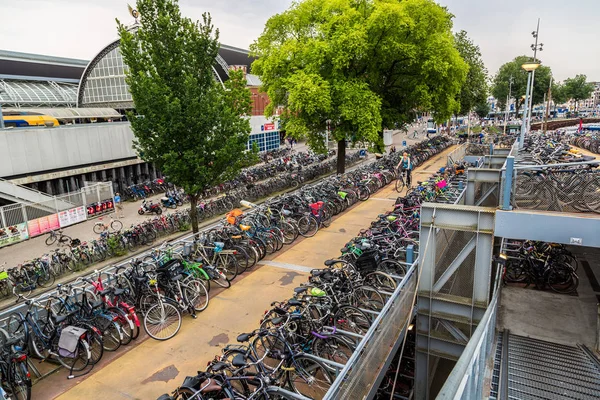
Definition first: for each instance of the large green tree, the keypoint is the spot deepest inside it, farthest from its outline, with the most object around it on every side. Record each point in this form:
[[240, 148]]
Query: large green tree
[[475, 89], [358, 67], [185, 122], [577, 88], [519, 86], [559, 94]]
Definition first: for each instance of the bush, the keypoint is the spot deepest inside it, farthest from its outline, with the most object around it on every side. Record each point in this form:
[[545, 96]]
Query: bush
[[184, 227], [115, 247]]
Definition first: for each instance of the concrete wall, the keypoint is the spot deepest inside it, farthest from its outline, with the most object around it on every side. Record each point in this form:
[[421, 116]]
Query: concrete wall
[[28, 151]]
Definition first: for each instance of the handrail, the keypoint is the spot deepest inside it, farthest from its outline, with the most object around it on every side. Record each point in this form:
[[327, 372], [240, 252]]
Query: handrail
[[457, 381], [332, 392], [569, 164]]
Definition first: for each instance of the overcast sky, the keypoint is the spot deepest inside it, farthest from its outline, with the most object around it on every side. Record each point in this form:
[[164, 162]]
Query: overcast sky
[[80, 28]]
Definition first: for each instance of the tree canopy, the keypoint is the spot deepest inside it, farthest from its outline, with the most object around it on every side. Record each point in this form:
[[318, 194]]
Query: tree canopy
[[519, 86], [473, 93], [577, 88], [189, 125], [358, 66]]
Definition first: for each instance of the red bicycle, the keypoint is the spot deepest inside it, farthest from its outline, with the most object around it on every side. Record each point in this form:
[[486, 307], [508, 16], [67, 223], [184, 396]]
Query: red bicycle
[[112, 297]]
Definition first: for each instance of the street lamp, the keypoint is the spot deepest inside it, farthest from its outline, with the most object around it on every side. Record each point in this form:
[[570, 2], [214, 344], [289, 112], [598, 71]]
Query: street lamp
[[535, 47], [529, 67], [510, 82], [1, 116]]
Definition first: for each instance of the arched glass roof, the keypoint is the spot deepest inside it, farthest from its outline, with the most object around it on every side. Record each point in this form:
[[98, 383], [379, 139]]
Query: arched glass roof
[[22, 93], [103, 81]]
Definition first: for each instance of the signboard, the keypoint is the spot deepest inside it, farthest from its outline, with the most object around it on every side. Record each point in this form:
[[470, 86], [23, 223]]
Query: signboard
[[43, 225], [13, 234], [269, 127], [72, 216], [404, 143]]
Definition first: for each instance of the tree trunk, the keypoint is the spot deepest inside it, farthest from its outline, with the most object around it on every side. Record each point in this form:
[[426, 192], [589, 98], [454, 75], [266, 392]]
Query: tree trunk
[[341, 156], [194, 212]]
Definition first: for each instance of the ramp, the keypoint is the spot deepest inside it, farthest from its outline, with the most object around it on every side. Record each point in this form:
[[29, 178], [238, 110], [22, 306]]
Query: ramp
[[33, 198]]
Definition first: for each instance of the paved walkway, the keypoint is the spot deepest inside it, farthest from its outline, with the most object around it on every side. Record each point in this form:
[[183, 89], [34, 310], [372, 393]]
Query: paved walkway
[[151, 368]]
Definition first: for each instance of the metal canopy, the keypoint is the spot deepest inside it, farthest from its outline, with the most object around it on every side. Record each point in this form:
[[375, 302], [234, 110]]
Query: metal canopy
[[71, 113], [17, 93]]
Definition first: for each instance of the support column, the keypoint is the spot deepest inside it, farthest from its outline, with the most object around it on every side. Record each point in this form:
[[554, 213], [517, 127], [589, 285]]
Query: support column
[[72, 184], [83, 179], [138, 173], [61, 185], [129, 175], [103, 175], [49, 188], [508, 178], [146, 170], [153, 174]]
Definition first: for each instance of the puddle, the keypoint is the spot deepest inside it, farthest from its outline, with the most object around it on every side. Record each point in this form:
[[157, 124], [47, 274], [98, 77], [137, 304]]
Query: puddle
[[288, 278], [342, 230], [221, 338], [164, 375]]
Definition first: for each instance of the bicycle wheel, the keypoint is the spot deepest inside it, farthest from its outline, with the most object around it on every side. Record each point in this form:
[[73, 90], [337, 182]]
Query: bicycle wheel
[[98, 228], [116, 225], [95, 342], [227, 264], [290, 233], [308, 226], [20, 385], [196, 294], [334, 348], [45, 278], [381, 281], [80, 361], [400, 185], [17, 328], [162, 321], [367, 297], [50, 240], [561, 278], [351, 319], [309, 377], [126, 324], [111, 333]]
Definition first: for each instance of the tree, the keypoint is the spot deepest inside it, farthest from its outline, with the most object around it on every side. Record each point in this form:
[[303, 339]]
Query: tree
[[474, 90], [578, 89], [482, 109], [559, 94], [192, 128], [357, 67], [519, 86]]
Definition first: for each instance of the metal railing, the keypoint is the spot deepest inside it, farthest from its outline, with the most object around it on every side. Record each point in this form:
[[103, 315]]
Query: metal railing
[[457, 154], [466, 381], [359, 375]]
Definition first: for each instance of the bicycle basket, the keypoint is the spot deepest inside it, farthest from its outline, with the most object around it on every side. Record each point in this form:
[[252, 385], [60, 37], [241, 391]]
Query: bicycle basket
[[171, 269], [368, 261], [75, 242]]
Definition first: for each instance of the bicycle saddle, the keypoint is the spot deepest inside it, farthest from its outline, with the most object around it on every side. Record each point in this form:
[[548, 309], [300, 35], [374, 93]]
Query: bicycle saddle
[[245, 227], [294, 302], [210, 385], [329, 263], [277, 320], [244, 337], [238, 361], [299, 290]]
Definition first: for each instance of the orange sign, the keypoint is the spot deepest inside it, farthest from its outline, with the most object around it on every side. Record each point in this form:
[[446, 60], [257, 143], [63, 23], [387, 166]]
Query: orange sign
[[43, 225]]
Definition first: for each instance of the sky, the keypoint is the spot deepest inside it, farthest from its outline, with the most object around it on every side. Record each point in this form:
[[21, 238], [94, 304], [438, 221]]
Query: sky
[[502, 29]]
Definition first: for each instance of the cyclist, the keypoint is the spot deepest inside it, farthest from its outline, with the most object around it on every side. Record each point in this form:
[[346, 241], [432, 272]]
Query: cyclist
[[405, 164]]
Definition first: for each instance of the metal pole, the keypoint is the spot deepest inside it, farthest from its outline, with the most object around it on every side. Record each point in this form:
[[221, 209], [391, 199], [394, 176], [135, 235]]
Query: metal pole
[[508, 177], [548, 105], [530, 104], [524, 125]]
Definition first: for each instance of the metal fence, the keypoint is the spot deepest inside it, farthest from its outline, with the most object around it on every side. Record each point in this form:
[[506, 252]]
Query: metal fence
[[466, 381], [555, 187], [457, 154], [360, 373]]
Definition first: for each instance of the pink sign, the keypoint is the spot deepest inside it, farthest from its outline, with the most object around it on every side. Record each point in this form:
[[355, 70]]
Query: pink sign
[[43, 225]]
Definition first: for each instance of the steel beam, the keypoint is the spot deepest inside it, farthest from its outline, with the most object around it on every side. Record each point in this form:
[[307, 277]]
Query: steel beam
[[547, 226], [457, 262], [454, 331], [457, 217], [439, 347], [451, 306], [487, 194]]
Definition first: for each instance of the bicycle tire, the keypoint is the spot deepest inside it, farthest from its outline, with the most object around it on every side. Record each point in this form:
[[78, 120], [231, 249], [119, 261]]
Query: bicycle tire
[[116, 225], [309, 377], [159, 316], [351, 319], [50, 240], [227, 264], [21, 383], [126, 324], [400, 185], [98, 228], [78, 363], [196, 294], [111, 335], [308, 226]]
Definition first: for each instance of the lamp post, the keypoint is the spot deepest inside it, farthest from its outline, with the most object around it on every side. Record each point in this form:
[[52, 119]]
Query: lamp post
[[529, 67], [535, 47], [510, 82], [1, 116]]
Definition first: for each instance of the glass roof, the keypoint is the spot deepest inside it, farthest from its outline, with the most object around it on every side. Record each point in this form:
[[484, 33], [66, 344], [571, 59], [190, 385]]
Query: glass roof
[[69, 113], [17, 93]]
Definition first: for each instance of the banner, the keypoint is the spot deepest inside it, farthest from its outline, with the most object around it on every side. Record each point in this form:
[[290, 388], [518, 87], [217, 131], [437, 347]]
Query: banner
[[13, 234], [43, 225], [72, 216]]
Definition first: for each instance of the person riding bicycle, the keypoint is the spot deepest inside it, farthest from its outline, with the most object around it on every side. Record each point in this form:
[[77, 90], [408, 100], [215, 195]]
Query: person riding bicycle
[[405, 164]]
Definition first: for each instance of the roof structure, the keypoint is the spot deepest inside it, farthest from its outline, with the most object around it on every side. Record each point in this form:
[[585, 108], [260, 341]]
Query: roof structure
[[36, 93], [36, 65]]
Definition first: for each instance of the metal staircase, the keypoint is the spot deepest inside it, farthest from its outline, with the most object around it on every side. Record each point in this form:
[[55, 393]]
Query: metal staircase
[[527, 368], [31, 197]]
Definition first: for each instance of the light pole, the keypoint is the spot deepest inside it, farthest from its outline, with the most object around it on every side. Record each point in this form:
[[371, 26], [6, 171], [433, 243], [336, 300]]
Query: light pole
[[529, 67], [1, 116], [535, 47], [510, 81]]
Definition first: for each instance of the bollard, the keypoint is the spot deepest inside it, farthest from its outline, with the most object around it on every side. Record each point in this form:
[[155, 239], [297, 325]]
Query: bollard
[[508, 178], [410, 254], [460, 185]]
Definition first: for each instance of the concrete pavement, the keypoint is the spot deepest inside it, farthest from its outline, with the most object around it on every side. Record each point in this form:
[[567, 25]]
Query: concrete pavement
[[146, 370]]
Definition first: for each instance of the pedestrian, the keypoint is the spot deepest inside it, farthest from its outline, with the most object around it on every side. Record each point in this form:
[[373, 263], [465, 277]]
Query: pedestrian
[[119, 205], [427, 135], [405, 165], [415, 134], [392, 149]]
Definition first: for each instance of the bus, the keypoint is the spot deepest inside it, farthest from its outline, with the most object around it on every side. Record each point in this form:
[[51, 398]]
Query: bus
[[21, 119], [431, 126]]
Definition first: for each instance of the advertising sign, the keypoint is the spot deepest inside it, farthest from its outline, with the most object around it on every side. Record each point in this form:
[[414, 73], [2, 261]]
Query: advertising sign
[[43, 225], [13, 234], [269, 127], [72, 216]]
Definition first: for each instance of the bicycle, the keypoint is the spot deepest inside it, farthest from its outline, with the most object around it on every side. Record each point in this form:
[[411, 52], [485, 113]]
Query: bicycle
[[402, 181], [101, 226], [59, 236]]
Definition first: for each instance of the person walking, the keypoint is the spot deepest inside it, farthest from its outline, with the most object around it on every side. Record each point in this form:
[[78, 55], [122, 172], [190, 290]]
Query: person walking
[[405, 164], [415, 134], [119, 205]]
